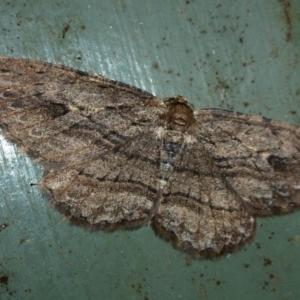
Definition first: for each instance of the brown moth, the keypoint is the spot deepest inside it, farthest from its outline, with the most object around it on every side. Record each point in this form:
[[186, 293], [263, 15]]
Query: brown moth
[[117, 156]]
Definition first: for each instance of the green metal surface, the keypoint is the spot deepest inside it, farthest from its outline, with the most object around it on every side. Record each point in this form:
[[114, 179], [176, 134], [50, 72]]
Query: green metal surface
[[241, 55]]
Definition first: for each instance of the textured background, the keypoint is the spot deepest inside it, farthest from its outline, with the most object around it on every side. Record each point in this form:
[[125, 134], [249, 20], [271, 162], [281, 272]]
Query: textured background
[[241, 55]]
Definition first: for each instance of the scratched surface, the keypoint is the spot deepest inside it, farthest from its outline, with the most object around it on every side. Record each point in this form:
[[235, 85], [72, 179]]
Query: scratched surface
[[217, 57]]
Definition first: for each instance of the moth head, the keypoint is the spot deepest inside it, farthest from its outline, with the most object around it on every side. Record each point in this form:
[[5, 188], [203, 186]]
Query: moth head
[[180, 114]]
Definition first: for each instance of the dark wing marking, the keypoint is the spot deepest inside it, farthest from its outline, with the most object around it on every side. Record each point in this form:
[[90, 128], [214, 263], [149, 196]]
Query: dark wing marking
[[59, 115], [259, 157], [116, 188], [199, 212]]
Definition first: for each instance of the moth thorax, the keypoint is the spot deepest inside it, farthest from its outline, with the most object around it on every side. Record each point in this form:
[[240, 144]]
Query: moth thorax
[[180, 117]]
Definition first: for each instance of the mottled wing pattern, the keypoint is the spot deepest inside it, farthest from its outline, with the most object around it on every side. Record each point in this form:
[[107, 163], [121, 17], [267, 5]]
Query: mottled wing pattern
[[98, 128], [199, 211], [118, 156], [260, 158], [115, 188], [60, 115]]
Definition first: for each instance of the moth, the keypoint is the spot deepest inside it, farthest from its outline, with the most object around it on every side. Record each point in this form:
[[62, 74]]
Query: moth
[[118, 157]]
